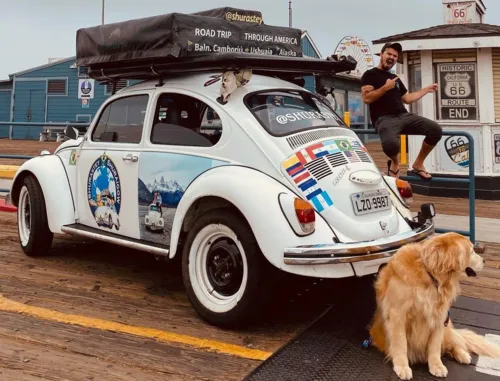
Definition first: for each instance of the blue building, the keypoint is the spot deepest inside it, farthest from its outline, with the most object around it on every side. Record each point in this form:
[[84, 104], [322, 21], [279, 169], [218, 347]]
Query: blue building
[[49, 93]]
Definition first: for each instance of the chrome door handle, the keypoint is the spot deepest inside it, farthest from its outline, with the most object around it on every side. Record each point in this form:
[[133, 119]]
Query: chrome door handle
[[130, 157]]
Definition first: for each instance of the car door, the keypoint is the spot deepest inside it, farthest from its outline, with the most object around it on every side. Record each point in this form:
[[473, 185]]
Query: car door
[[182, 142], [108, 166]]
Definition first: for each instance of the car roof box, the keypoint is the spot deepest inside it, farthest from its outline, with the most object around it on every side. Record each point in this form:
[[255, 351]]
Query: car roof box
[[181, 35], [217, 39]]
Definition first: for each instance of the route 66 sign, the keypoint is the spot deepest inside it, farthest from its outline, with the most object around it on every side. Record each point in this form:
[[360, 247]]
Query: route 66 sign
[[457, 85], [457, 93], [457, 148]]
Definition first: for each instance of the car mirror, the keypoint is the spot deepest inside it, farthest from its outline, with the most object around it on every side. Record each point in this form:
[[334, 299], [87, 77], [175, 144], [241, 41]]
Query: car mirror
[[71, 132]]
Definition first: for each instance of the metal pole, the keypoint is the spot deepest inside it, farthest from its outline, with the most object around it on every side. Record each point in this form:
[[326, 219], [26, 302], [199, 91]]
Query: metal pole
[[289, 13], [102, 15], [472, 190]]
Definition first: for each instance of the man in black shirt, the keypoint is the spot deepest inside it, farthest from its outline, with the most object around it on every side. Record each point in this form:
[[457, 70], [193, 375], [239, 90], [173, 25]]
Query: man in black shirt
[[385, 93]]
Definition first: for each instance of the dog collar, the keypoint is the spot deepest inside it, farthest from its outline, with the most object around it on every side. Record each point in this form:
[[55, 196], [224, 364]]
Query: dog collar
[[434, 280], [447, 321]]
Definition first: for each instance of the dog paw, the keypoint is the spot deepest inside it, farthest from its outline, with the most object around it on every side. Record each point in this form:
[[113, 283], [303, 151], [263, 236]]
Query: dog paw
[[462, 357], [438, 370], [403, 372]]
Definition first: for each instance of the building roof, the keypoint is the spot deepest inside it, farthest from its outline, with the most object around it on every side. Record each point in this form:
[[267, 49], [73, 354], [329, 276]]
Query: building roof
[[42, 66], [445, 31]]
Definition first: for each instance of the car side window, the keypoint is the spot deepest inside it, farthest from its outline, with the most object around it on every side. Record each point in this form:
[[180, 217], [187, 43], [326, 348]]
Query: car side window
[[122, 120], [182, 120]]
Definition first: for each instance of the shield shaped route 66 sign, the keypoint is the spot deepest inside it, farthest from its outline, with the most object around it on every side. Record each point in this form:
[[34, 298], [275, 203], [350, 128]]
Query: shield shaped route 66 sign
[[457, 148], [457, 85]]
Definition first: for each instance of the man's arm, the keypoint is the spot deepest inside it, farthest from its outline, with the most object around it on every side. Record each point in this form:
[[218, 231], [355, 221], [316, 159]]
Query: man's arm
[[370, 95], [415, 96]]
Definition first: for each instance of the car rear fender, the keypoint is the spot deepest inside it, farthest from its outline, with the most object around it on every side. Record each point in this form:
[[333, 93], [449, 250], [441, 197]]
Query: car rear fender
[[256, 196], [50, 173]]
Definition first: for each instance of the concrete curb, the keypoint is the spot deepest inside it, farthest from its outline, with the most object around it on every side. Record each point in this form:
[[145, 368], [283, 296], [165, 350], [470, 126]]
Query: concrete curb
[[7, 208], [8, 171]]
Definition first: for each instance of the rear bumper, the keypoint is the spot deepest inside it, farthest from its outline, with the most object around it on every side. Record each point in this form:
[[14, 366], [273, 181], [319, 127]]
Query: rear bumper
[[336, 253]]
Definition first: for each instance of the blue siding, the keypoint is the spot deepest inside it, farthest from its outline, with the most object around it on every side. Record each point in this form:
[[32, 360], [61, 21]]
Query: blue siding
[[4, 112], [307, 48]]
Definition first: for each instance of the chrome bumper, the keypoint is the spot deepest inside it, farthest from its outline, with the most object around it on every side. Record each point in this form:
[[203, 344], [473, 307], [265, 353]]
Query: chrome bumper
[[335, 253]]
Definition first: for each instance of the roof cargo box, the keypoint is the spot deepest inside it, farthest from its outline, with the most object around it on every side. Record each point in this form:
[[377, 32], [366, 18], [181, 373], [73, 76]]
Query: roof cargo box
[[177, 35]]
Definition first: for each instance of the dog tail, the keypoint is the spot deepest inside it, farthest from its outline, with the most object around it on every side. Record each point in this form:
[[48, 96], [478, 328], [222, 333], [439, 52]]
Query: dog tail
[[478, 344]]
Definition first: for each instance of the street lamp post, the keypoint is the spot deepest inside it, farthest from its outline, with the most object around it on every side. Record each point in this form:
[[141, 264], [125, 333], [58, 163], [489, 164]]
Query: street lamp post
[[102, 15]]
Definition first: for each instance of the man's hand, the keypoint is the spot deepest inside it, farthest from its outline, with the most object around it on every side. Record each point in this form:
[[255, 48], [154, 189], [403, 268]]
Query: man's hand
[[390, 83], [432, 88], [409, 98]]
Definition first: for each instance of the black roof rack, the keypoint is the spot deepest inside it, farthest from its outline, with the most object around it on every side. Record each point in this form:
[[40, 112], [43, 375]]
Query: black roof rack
[[259, 64]]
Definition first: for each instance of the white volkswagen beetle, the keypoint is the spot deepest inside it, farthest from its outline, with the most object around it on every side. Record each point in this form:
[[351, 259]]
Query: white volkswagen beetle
[[282, 184], [153, 220]]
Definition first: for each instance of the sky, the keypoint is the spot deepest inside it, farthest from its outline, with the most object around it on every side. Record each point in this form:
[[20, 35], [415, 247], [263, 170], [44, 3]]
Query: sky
[[32, 31]]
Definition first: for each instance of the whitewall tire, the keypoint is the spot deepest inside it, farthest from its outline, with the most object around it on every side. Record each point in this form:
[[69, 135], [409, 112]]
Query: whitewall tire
[[223, 269], [35, 236]]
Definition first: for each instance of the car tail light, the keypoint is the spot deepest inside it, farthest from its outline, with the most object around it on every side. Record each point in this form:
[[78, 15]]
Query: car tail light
[[405, 191], [305, 215]]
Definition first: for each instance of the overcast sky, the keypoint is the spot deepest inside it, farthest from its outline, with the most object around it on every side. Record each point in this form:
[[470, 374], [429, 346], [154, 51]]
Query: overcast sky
[[31, 31]]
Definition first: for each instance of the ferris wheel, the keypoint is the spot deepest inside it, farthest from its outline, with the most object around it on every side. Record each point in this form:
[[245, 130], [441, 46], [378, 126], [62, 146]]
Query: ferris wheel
[[359, 50]]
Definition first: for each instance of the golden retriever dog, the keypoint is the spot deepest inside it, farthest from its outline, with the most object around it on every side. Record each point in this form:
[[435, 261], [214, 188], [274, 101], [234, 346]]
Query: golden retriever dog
[[414, 294]]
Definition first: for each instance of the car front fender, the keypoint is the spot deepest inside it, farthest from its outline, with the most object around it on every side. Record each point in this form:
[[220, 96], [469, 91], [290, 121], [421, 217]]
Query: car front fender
[[50, 173], [256, 196]]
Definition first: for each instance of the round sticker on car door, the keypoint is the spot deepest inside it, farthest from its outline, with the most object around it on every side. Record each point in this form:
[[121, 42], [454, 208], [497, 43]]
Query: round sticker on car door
[[104, 192]]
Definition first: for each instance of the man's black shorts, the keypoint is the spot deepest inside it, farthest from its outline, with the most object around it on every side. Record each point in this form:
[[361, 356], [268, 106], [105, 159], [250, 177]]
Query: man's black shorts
[[391, 127]]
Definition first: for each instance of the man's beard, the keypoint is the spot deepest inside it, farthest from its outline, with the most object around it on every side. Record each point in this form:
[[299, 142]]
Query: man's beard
[[388, 64]]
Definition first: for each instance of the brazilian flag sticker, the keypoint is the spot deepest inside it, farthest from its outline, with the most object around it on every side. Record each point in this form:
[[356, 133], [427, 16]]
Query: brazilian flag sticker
[[72, 157], [344, 145]]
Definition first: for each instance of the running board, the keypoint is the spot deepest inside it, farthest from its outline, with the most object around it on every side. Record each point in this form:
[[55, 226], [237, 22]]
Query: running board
[[99, 235]]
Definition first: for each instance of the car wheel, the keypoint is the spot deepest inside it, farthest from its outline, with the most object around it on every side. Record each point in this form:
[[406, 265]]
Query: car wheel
[[223, 268], [35, 236]]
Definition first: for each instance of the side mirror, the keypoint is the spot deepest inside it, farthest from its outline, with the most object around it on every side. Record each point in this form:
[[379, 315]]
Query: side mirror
[[71, 132]]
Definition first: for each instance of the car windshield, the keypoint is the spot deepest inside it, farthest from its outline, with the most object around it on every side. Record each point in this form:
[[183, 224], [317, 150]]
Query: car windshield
[[287, 112]]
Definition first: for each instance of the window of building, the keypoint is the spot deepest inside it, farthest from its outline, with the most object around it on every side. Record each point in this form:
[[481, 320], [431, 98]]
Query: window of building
[[182, 120], [415, 77], [122, 120], [121, 84], [84, 118], [356, 107], [56, 87]]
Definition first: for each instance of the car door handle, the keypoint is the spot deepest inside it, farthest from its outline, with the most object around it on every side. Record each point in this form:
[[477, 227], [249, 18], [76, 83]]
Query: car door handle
[[130, 157]]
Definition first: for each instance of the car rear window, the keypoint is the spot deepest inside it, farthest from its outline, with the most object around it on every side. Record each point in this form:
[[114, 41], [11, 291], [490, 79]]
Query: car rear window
[[283, 113]]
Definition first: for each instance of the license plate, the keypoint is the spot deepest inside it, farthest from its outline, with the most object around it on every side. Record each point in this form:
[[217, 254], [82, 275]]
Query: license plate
[[370, 202]]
